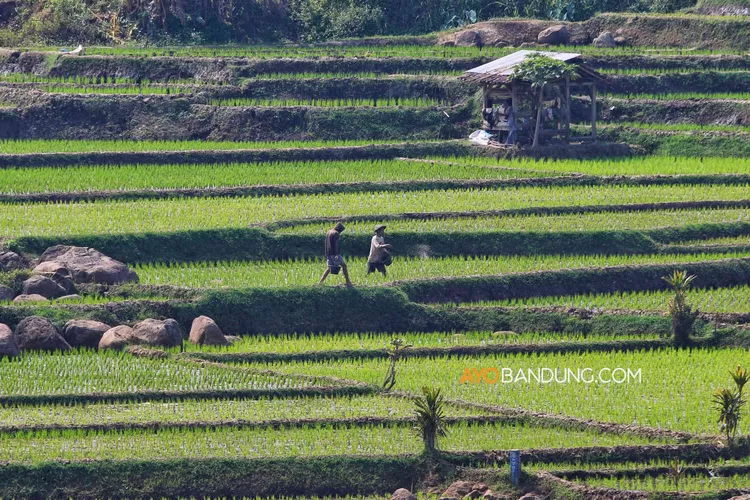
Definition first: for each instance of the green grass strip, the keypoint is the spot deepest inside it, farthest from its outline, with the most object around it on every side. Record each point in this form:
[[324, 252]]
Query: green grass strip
[[197, 213], [306, 272]]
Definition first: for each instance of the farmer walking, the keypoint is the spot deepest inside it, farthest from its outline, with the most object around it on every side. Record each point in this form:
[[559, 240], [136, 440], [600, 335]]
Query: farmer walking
[[334, 260], [379, 257]]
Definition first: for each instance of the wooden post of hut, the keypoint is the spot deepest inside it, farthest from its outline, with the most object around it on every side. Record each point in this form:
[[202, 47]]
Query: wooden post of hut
[[508, 104]]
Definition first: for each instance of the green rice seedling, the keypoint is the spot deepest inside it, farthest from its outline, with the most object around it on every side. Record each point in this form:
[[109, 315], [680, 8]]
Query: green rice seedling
[[213, 410], [729, 240], [700, 483], [665, 394], [298, 343], [718, 300], [680, 127], [407, 102], [674, 96], [33, 146], [650, 165], [601, 221], [88, 372], [262, 52], [322, 440], [291, 273], [110, 217], [84, 80], [117, 90], [357, 75], [120, 178], [664, 71]]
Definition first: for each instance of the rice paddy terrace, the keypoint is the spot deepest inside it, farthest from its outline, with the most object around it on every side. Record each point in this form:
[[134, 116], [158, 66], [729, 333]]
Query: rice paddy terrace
[[214, 174]]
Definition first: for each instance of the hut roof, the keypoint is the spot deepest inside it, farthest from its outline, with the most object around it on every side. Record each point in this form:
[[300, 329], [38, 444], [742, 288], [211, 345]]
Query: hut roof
[[500, 70]]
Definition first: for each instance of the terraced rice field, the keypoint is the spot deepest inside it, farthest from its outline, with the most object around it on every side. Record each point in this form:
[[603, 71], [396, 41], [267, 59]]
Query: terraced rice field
[[110, 217], [215, 223], [304, 273], [662, 395], [176, 176], [720, 300]]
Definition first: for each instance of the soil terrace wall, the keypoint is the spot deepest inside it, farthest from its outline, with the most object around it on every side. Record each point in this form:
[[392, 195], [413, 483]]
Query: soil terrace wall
[[143, 118], [681, 143], [367, 152], [698, 111], [200, 478], [723, 273], [694, 62], [704, 81], [215, 70], [684, 31], [395, 308]]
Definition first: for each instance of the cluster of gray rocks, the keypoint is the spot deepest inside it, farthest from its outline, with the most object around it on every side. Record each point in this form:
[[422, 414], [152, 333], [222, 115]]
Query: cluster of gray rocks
[[58, 270], [36, 333], [55, 276], [559, 35], [464, 490]]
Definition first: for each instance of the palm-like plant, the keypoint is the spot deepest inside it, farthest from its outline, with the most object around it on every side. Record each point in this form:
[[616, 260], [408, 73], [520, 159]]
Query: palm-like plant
[[683, 317], [728, 404], [430, 418]]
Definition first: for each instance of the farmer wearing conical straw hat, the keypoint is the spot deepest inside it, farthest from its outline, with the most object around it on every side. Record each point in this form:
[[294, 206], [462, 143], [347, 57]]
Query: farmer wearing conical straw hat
[[379, 257]]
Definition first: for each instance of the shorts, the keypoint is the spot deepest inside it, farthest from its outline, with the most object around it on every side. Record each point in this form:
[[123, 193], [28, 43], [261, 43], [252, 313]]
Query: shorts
[[334, 263], [375, 266]]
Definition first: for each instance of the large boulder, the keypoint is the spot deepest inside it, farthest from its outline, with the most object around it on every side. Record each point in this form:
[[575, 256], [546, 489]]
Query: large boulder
[[39, 334], [554, 35], [23, 298], [154, 332], [86, 265], [57, 273], [84, 332], [6, 293], [205, 331], [403, 494], [117, 338], [10, 261], [469, 38], [605, 40], [44, 286], [8, 343], [457, 490]]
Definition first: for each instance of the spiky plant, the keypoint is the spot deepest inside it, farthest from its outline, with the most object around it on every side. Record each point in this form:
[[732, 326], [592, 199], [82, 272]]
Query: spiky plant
[[728, 404], [740, 376], [430, 418], [683, 317]]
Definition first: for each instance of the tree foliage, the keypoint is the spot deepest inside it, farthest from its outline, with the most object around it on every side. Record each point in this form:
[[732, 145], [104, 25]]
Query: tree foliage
[[539, 70]]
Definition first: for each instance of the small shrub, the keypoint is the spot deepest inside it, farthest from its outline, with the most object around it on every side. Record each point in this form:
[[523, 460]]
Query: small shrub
[[395, 350]]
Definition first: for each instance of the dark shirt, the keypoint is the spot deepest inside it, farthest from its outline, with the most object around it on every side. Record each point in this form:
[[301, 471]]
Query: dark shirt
[[332, 242]]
